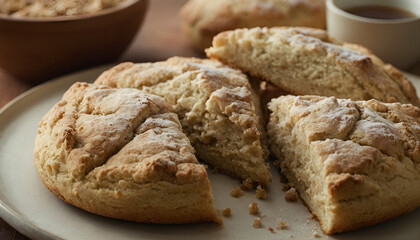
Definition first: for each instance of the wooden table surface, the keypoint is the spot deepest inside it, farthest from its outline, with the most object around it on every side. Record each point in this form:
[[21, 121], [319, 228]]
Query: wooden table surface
[[159, 39]]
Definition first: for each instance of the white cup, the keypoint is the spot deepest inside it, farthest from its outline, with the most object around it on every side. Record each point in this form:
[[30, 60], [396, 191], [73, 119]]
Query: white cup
[[395, 41]]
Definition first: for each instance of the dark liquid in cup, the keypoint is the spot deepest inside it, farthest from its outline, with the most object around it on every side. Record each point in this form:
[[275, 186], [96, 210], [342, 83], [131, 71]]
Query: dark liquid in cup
[[380, 12]]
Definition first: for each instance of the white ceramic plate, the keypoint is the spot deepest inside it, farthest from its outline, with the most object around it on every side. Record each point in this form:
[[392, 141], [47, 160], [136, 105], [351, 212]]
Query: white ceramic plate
[[30, 208]]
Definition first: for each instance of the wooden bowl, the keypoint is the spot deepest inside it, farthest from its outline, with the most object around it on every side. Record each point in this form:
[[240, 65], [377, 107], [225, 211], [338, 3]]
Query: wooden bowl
[[37, 49]]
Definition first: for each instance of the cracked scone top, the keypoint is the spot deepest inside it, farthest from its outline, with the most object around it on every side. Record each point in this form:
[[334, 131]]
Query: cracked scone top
[[203, 19], [306, 61], [120, 153], [354, 163], [215, 104]]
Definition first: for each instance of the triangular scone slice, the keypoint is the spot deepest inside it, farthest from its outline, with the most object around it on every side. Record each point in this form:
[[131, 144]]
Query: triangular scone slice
[[306, 61], [215, 104], [354, 164], [120, 153]]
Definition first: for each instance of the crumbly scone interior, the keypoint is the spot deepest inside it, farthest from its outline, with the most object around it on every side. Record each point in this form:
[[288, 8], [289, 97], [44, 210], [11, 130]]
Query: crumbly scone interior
[[305, 61], [120, 153], [353, 163], [215, 106]]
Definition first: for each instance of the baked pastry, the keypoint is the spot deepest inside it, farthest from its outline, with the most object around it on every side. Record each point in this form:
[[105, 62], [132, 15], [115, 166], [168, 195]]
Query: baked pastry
[[305, 61], [354, 164], [120, 153], [202, 19], [215, 104]]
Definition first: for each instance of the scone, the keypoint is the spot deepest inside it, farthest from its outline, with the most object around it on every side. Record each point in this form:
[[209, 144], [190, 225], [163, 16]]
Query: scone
[[354, 163], [120, 153], [202, 19], [305, 61], [215, 105]]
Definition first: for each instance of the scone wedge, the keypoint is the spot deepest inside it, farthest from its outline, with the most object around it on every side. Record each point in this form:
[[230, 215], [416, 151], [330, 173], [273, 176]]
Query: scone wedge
[[306, 61], [216, 105], [121, 153], [354, 163], [203, 19]]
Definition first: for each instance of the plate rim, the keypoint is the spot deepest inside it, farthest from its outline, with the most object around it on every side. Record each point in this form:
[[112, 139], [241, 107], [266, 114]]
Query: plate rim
[[13, 218]]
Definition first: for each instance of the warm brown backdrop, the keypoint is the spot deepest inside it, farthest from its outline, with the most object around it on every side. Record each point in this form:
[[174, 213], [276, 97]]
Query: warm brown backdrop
[[159, 39]]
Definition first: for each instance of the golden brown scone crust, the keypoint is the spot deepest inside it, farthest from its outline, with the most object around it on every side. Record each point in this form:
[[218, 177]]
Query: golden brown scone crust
[[354, 163], [216, 106], [120, 153], [306, 61], [203, 19]]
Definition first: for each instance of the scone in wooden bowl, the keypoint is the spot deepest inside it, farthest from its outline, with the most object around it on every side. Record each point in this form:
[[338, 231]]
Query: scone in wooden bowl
[[36, 49]]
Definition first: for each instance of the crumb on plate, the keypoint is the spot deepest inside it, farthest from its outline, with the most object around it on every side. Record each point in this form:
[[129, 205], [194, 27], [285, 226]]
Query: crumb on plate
[[281, 224], [253, 208], [226, 212], [260, 193], [257, 222], [236, 192], [291, 195]]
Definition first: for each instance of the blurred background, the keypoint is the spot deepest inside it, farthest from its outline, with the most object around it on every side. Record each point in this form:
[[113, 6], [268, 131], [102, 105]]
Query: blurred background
[[160, 37]]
